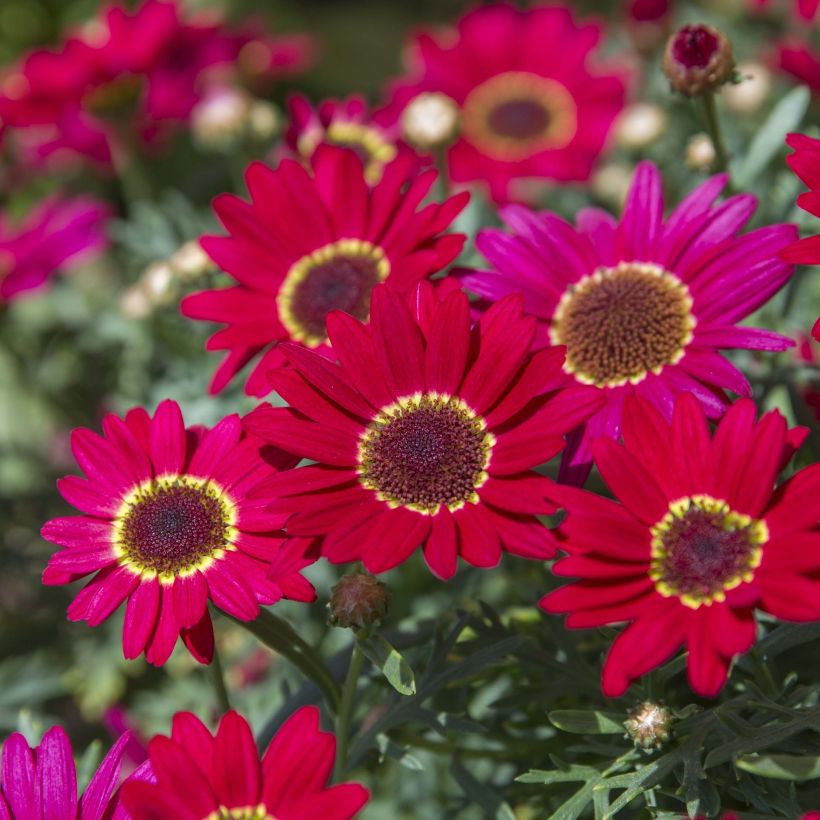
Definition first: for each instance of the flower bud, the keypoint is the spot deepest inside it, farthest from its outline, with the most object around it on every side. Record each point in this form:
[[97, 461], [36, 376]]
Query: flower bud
[[698, 59], [429, 121], [190, 261], [158, 283], [264, 121], [639, 125], [134, 303], [649, 725], [700, 152], [220, 119], [357, 601], [751, 91]]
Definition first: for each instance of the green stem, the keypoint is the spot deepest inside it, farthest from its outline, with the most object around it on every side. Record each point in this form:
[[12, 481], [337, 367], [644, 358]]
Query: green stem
[[345, 713], [218, 679], [713, 126], [280, 636]]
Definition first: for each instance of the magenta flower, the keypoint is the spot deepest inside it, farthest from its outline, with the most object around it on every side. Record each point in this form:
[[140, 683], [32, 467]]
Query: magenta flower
[[644, 304], [56, 236]]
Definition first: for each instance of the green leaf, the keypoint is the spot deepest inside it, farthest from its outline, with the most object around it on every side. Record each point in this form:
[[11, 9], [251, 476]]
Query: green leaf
[[781, 767], [391, 663], [768, 142], [583, 722], [493, 805], [568, 775]]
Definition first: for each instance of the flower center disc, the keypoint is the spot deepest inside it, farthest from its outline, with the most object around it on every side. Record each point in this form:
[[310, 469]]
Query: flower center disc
[[701, 548], [339, 276], [173, 526], [372, 148], [621, 323], [426, 451], [516, 115], [259, 812]]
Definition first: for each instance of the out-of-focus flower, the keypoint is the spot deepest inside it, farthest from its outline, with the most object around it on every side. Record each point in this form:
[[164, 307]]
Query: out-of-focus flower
[[648, 23], [643, 305], [190, 261], [700, 152], [805, 162], [196, 774], [56, 236], [803, 9], [530, 107], [122, 80], [168, 525], [220, 119], [698, 59], [346, 123], [118, 723], [158, 283], [426, 433], [640, 125], [754, 88], [700, 538], [41, 783], [806, 352], [802, 61], [315, 240], [430, 121]]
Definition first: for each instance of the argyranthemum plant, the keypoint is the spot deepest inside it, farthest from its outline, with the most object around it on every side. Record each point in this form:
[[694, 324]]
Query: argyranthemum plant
[[426, 434], [531, 105], [195, 774], [643, 304], [699, 537], [168, 524], [314, 241]]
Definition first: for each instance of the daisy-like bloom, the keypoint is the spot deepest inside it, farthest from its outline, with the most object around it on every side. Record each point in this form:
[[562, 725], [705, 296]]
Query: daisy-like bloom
[[41, 783], [347, 123], [530, 105], [200, 776], [167, 525], [145, 69], [700, 538], [312, 241], [425, 433], [56, 236], [805, 162], [643, 304], [802, 61]]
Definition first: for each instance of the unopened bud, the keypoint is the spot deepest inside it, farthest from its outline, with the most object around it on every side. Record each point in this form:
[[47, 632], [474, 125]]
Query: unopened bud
[[190, 261], [134, 303], [698, 59], [649, 725], [264, 121], [611, 183], [358, 601], [640, 124], [220, 119], [158, 283], [430, 121], [700, 152], [752, 89]]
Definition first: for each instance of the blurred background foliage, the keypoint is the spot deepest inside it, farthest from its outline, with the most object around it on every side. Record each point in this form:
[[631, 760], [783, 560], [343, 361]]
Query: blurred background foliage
[[88, 346]]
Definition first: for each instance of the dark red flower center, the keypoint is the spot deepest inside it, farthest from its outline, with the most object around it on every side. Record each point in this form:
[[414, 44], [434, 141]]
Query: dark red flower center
[[621, 323], [694, 46], [426, 451], [517, 114], [701, 548], [174, 525], [340, 276]]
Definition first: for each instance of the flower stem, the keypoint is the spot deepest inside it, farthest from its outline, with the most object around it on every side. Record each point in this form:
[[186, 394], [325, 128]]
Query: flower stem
[[713, 126], [218, 679], [280, 636], [345, 713]]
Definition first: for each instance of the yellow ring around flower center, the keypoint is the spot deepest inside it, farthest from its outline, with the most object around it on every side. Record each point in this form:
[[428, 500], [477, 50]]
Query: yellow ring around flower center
[[369, 142], [259, 812]]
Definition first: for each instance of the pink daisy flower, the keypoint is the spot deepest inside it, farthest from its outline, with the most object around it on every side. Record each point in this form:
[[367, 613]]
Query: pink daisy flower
[[700, 539], [312, 241], [56, 236], [168, 525], [531, 107], [41, 783], [643, 304], [196, 774]]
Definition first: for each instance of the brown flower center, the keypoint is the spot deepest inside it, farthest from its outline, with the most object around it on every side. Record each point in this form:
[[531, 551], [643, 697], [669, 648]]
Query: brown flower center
[[339, 276], [619, 324], [702, 547], [173, 526], [426, 451], [515, 115]]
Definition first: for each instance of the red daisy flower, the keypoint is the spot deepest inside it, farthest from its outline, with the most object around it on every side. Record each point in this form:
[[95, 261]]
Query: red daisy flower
[[805, 162], [425, 433], [349, 124], [167, 526], [41, 783], [530, 106], [700, 539], [147, 68], [310, 243], [645, 304], [221, 776], [56, 236], [800, 59]]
